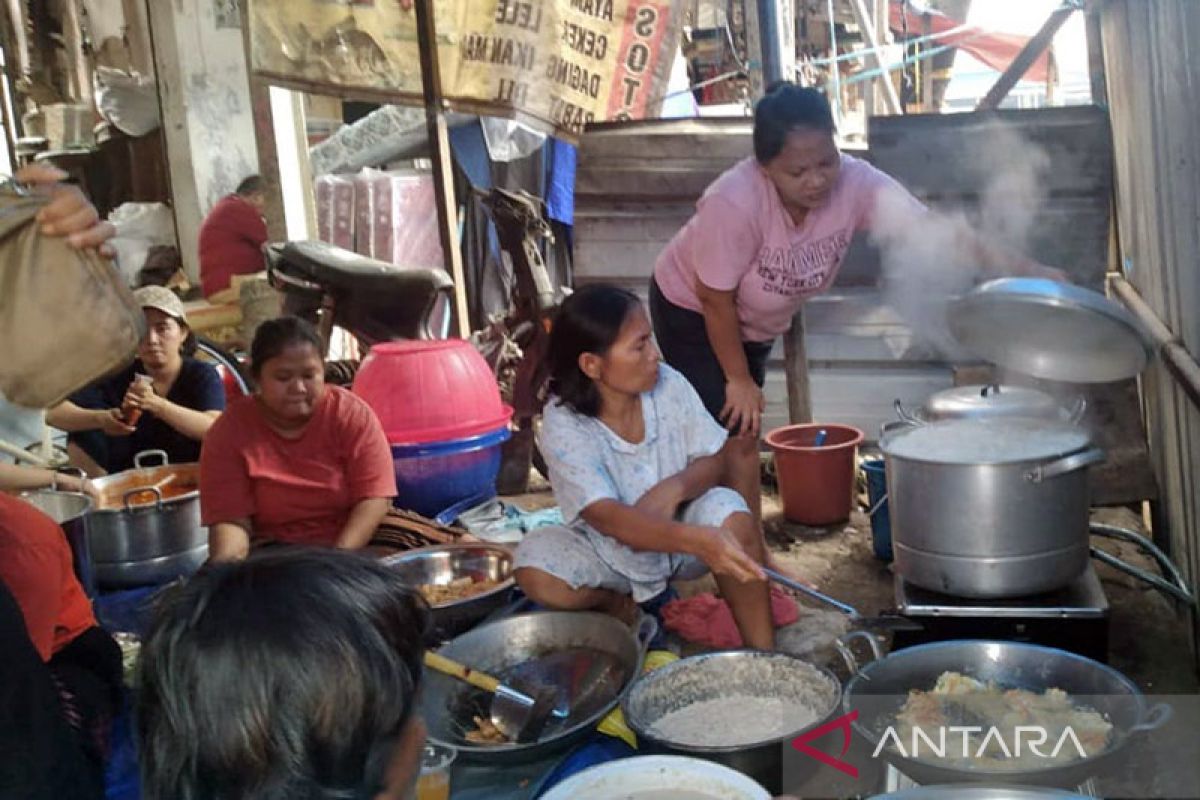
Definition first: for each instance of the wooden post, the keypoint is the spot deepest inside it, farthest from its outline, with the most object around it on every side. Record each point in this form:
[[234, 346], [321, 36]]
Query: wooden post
[[795, 363], [926, 67], [1024, 60], [264, 138], [862, 16], [443, 168], [1095, 52]]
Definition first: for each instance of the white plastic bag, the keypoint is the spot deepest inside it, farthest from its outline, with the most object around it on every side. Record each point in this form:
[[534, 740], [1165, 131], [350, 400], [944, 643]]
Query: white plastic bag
[[140, 226]]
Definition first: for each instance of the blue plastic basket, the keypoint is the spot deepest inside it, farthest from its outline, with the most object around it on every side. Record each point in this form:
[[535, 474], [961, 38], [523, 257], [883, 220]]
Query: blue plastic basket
[[881, 520], [432, 477]]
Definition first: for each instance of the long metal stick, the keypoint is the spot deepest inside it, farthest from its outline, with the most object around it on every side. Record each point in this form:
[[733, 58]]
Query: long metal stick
[[813, 593]]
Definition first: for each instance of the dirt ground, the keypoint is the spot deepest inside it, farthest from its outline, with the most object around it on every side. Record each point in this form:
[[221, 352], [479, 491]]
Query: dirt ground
[[1149, 638]]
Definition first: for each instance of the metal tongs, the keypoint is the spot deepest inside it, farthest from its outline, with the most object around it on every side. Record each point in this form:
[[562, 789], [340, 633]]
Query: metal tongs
[[891, 622]]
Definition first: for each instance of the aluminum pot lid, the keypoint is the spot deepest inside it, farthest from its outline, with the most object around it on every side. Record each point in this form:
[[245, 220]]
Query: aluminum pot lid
[[1003, 440], [992, 400], [1050, 330]]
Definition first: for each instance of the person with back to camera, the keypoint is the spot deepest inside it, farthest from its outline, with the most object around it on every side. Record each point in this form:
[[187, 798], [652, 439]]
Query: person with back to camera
[[291, 675], [231, 239], [636, 464], [297, 462], [769, 233]]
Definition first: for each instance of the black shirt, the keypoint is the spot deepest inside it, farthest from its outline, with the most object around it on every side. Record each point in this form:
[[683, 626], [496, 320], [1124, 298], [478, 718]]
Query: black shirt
[[197, 387]]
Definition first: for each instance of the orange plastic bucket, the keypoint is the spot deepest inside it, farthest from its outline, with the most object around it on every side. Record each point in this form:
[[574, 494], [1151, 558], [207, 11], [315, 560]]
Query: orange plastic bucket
[[816, 483]]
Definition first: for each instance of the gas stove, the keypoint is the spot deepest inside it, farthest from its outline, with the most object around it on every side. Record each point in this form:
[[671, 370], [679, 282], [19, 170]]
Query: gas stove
[[896, 781], [1074, 618]]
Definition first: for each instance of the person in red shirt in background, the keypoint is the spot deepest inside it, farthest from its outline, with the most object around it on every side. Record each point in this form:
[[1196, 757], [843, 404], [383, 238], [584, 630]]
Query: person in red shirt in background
[[298, 462], [232, 236]]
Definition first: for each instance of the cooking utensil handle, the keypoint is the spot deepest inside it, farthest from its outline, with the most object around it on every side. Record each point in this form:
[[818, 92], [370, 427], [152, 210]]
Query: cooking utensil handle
[[137, 459], [446, 666], [1077, 410], [1064, 465], [1158, 715], [142, 490], [904, 414], [647, 627], [842, 644], [813, 593]]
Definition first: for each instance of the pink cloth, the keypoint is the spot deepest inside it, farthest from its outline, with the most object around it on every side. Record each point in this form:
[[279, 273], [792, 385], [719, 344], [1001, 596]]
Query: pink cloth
[[706, 619], [742, 238]]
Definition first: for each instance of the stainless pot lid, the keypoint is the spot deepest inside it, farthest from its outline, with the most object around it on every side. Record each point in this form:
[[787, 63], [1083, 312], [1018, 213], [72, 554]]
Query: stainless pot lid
[[1050, 330], [985, 441], [992, 401]]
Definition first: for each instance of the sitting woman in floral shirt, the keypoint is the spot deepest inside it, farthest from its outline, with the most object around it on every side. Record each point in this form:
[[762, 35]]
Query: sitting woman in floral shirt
[[636, 468]]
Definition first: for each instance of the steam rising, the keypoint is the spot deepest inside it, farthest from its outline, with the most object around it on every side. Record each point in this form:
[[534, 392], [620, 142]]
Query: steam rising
[[928, 259]]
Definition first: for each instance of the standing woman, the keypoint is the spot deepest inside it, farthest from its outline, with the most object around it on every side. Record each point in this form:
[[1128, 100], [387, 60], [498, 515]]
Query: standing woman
[[298, 462], [171, 408], [769, 233]]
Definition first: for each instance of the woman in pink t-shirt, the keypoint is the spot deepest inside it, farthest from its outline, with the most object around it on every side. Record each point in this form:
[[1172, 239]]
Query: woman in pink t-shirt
[[769, 233], [298, 462]]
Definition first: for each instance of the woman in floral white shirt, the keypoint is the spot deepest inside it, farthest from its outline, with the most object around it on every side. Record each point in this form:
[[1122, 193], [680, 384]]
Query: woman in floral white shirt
[[636, 466]]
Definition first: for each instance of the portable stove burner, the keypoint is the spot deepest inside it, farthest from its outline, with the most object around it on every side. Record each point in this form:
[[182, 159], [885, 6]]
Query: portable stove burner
[[1074, 618]]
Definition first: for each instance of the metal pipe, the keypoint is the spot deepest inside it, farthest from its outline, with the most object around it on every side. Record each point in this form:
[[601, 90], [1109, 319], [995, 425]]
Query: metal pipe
[[1179, 362], [770, 43]]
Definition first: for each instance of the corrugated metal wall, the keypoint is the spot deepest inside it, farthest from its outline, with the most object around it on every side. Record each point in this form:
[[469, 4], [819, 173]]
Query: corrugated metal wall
[[1152, 65]]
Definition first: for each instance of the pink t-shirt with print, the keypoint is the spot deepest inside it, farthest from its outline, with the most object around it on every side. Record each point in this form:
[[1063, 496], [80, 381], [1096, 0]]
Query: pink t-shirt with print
[[741, 237]]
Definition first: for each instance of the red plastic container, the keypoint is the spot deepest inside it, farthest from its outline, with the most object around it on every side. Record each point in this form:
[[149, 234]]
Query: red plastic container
[[816, 483], [431, 391]]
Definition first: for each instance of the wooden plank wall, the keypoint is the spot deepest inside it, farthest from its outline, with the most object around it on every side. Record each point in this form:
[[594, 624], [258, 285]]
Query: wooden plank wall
[[1151, 63]]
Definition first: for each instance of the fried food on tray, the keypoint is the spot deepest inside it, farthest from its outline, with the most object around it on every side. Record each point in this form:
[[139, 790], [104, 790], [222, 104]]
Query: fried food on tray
[[437, 594], [485, 733]]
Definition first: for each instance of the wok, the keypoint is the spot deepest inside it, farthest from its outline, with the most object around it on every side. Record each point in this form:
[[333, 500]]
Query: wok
[[878, 690], [440, 564], [587, 659]]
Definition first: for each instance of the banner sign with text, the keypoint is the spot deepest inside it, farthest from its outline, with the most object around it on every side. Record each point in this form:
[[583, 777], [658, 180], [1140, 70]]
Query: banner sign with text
[[553, 64]]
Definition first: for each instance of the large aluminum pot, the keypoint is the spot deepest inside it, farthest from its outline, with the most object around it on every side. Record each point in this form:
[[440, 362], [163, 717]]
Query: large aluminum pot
[[70, 510], [989, 508], [878, 691], [992, 401], [146, 529], [746, 673]]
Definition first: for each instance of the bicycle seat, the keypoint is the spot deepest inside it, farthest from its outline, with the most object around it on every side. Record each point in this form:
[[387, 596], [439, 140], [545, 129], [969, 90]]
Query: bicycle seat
[[375, 300]]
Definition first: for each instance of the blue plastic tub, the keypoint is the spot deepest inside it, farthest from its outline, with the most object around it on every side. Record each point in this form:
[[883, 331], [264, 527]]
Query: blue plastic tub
[[432, 477], [881, 520]]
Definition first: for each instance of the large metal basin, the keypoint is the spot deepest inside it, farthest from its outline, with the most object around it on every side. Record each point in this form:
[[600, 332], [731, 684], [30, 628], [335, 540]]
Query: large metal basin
[[878, 691], [133, 524], [588, 659], [441, 564], [748, 673]]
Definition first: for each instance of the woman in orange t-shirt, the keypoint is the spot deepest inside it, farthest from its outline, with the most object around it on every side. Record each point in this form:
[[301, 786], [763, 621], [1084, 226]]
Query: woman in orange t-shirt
[[298, 462]]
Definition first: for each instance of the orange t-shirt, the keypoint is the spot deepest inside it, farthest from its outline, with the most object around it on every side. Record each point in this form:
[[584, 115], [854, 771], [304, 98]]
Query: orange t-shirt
[[35, 564], [301, 490]]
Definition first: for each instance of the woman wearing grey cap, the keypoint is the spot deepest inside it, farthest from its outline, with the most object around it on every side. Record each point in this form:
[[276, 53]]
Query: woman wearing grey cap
[[165, 400]]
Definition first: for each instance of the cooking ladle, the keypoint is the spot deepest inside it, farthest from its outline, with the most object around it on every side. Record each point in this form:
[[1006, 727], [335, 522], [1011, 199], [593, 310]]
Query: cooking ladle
[[892, 622], [520, 715]]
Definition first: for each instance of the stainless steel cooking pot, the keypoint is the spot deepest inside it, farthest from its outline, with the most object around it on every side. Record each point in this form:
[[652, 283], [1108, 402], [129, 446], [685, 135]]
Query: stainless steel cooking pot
[[145, 528], [70, 510], [879, 690], [989, 508], [992, 401], [746, 673]]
